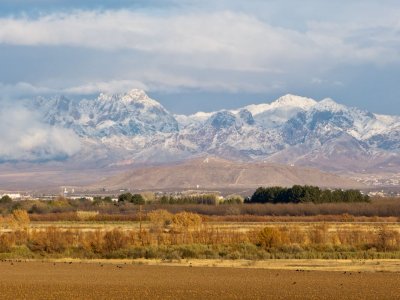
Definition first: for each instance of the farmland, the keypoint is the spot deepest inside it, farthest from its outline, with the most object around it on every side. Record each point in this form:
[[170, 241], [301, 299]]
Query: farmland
[[152, 252], [62, 280]]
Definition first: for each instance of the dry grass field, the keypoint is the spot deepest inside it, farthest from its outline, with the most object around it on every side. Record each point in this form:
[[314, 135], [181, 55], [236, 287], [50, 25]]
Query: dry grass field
[[186, 236], [64, 280]]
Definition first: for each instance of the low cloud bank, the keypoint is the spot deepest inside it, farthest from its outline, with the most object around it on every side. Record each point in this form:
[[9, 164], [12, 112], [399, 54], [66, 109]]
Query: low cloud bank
[[24, 137]]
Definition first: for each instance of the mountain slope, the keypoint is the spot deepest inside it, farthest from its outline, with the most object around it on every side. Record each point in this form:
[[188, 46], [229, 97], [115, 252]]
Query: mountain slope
[[212, 173], [129, 114]]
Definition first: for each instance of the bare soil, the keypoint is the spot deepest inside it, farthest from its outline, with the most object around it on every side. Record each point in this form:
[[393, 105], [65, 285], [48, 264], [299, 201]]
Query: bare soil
[[65, 280]]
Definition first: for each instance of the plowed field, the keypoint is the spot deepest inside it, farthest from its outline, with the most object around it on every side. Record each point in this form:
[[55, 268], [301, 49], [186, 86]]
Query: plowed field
[[64, 280]]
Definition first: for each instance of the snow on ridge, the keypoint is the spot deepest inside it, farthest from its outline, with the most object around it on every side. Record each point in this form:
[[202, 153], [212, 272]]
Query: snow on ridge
[[287, 101], [132, 96], [329, 104], [294, 100]]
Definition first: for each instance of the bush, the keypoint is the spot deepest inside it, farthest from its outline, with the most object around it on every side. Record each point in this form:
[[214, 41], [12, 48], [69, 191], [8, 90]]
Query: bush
[[7, 242], [160, 218], [92, 241], [387, 240], [271, 237], [50, 240], [114, 240], [186, 220], [21, 217]]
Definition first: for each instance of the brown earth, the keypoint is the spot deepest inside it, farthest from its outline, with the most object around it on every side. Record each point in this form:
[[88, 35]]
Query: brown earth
[[62, 280], [216, 173]]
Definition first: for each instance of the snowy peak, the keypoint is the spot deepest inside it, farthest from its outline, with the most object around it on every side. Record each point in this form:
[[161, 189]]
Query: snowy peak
[[131, 97], [330, 105], [129, 114], [293, 100], [288, 101]]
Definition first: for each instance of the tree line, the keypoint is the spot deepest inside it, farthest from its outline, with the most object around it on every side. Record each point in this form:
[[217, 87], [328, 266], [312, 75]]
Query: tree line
[[302, 194]]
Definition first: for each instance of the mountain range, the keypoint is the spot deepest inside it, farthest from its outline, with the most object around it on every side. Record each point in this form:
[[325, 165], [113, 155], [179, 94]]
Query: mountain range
[[133, 128]]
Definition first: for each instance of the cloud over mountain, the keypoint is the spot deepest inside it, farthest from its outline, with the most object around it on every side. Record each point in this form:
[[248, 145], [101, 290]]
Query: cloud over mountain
[[24, 137]]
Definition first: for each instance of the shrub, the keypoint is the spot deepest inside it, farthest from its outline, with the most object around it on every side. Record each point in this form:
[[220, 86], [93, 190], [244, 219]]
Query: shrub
[[114, 240], [21, 217], [7, 242], [271, 237], [387, 239], [160, 218], [50, 240], [186, 220]]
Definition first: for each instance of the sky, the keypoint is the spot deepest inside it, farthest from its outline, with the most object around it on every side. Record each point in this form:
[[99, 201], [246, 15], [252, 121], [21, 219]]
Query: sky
[[203, 55]]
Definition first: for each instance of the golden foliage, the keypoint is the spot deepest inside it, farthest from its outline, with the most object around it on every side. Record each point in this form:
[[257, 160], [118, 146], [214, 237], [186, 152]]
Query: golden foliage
[[186, 221], [114, 240], [160, 218], [92, 241], [21, 218], [271, 237], [51, 240], [7, 242]]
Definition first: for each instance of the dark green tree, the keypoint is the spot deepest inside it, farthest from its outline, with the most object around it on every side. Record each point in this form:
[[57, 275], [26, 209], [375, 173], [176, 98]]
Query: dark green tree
[[126, 197], [137, 199], [5, 199]]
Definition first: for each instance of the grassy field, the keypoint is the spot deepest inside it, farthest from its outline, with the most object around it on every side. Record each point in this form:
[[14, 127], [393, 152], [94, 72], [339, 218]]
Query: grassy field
[[64, 280], [227, 226], [188, 236]]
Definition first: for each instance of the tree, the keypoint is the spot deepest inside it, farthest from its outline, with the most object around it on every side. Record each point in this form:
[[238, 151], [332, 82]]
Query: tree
[[107, 199], [127, 197], [137, 199], [5, 199], [300, 194]]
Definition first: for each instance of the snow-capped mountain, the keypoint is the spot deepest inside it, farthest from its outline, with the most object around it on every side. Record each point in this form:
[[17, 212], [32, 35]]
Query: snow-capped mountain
[[130, 114], [292, 129]]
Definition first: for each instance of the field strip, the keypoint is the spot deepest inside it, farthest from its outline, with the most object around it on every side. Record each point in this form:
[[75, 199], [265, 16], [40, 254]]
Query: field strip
[[375, 265]]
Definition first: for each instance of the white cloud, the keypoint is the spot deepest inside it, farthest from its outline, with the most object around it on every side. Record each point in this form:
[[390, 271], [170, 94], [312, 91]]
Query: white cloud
[[87, 52], [224, 40], [21, 89], [111, 87], [24, 137]]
